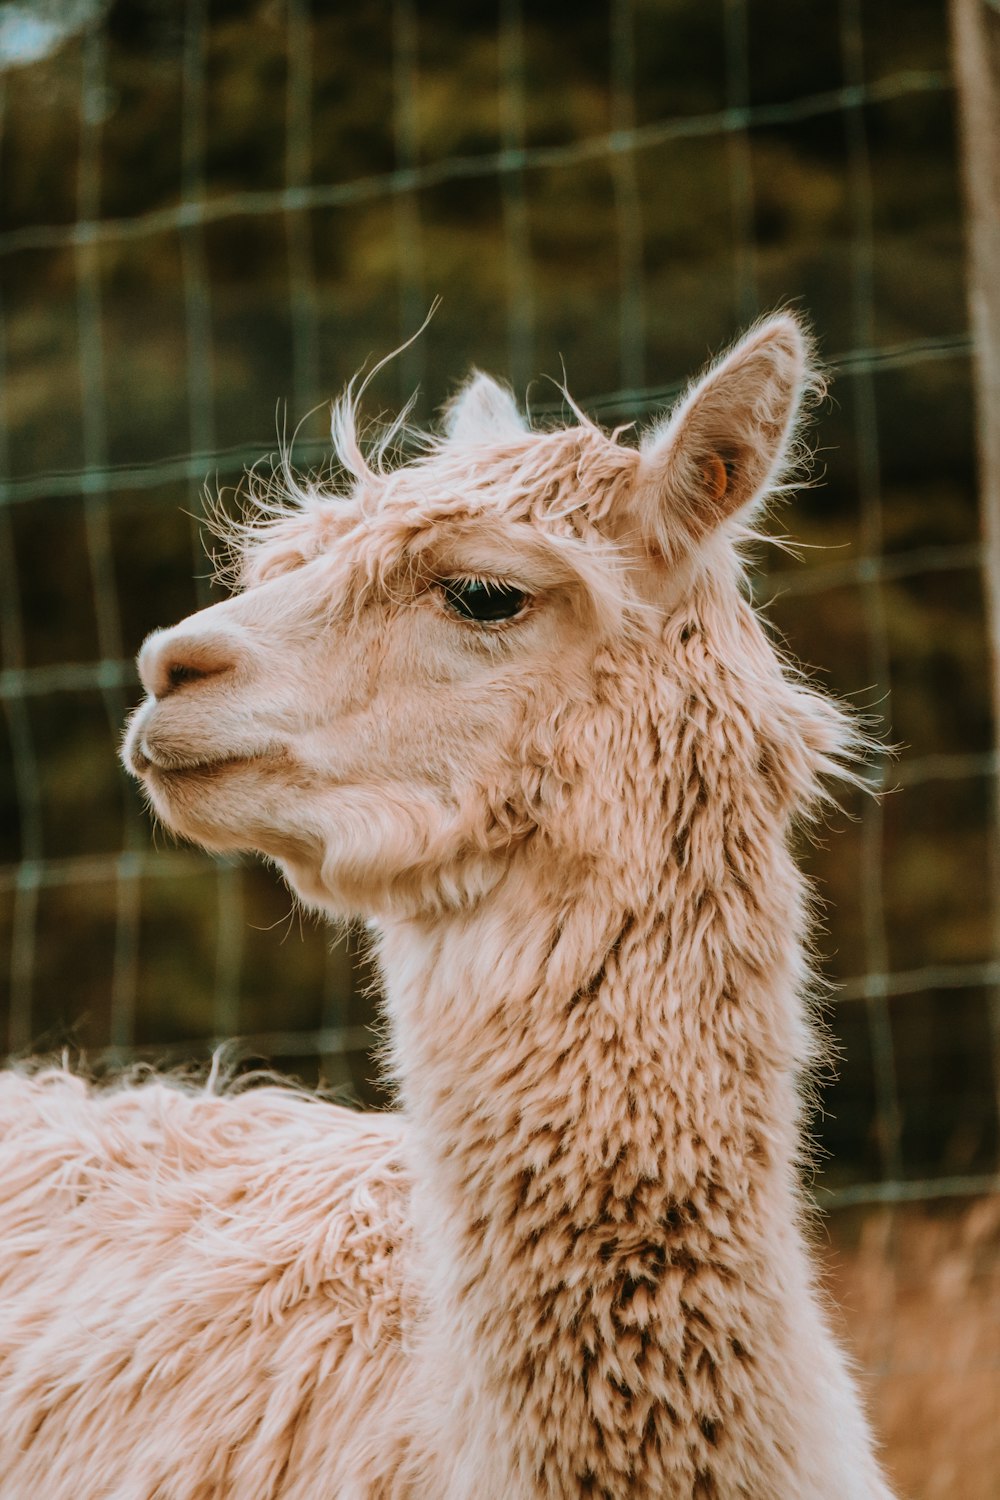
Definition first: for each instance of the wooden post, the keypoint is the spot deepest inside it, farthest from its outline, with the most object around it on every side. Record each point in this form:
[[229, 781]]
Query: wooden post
[[975, 28]]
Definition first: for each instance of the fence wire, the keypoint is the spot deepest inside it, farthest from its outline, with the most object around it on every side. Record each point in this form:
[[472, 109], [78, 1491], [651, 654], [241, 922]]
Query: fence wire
[[516, 170]]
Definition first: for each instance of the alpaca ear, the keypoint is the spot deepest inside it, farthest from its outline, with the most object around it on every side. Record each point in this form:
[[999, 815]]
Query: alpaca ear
[[726, 442], [483, 411]]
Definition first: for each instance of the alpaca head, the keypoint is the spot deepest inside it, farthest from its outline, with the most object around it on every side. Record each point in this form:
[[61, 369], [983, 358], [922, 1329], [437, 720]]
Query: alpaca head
[[447, 665]]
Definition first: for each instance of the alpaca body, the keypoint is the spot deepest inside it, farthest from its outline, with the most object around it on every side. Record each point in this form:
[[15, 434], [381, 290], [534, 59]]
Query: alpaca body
[[510, 702], [241, 1304], [201, 1295], [235, 1308]]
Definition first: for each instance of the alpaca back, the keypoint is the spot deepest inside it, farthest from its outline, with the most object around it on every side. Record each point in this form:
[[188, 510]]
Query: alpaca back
[[200, 1294]]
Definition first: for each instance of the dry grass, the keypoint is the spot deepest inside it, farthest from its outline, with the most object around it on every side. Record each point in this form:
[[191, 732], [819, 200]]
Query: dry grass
[[918, 1288]]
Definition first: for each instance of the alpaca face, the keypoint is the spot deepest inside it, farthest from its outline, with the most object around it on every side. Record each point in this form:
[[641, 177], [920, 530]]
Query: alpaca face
[[367, 715], [406, 690]]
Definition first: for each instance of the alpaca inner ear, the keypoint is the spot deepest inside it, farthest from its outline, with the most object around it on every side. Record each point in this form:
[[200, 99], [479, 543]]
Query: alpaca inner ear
[[716, 475], [726, 442]]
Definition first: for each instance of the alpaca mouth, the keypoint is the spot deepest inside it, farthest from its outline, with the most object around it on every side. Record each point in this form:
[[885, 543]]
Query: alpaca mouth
[[151, 755], [144, 762]]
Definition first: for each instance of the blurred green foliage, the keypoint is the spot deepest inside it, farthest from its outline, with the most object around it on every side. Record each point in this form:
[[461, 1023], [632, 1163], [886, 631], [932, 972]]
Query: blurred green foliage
[[176, 332]]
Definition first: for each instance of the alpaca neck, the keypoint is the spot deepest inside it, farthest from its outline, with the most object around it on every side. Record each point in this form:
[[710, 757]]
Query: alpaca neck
[[603, 1121]]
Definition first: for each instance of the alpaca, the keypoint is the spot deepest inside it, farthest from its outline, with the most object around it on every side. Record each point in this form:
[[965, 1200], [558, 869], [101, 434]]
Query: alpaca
[[507, 700]]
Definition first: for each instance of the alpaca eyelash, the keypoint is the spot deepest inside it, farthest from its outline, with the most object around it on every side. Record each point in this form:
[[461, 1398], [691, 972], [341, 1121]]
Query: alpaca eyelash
[[490, 580]]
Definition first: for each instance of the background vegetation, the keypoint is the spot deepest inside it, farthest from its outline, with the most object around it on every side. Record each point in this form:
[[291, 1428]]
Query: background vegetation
[[213, 210]]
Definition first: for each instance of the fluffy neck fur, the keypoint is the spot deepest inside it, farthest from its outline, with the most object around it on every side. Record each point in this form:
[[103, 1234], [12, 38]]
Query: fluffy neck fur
[[600, 1065]]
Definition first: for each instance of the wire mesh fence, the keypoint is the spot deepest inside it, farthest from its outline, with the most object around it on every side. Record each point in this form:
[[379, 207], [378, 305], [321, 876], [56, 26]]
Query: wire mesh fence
[[210, 211]]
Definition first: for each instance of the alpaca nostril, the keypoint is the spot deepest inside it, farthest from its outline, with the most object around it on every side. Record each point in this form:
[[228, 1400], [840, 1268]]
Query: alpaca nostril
[[178, 671], [178, 675], [169, 662], [190, 661]]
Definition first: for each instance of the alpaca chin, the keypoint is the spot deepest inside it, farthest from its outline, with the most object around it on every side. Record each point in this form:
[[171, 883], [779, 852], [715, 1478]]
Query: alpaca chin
[[401, 855], [344, 895], [229, 806]]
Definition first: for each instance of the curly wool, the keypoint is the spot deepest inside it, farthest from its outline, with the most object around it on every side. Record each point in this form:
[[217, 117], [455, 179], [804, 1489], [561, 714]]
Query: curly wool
[[191, 1281]]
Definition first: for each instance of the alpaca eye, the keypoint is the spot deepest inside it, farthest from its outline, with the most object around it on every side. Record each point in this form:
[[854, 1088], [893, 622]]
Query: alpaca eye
[[482, 599]]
